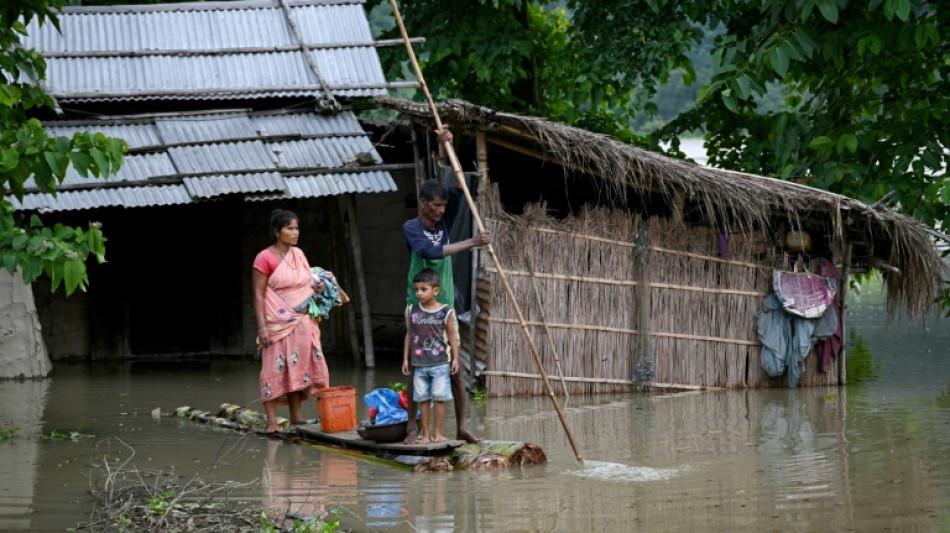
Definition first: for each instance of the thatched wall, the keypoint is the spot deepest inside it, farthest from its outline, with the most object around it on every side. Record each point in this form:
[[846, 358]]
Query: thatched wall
[[615, 292]]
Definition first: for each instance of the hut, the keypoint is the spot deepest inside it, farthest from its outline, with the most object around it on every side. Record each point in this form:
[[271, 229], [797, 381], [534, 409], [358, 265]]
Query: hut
[[633, 269]]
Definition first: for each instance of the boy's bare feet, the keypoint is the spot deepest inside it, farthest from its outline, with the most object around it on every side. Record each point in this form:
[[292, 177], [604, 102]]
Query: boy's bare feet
[[422, 440], [439, 438]]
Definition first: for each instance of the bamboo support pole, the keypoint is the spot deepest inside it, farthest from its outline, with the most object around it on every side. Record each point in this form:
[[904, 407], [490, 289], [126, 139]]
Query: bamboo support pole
[[585, 327], [481, 163], [369, 355], [652, 248], [354, 336], [613, 381], [460, 179], [417, 160], [336, 230], [625, 283], [547, 331], [842, 304]]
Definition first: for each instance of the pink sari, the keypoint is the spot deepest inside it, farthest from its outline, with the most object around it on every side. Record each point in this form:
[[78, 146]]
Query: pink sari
[[293, 360]]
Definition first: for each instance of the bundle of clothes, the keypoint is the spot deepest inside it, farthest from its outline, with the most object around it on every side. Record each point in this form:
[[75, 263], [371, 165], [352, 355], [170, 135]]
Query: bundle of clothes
[[332, 296], [802, 312]]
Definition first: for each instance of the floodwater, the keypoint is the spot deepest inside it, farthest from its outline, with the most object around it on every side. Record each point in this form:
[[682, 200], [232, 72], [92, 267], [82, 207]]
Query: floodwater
[[873, 456]]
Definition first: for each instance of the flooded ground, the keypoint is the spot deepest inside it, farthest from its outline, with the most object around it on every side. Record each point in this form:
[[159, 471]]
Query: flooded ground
[[872, 456]]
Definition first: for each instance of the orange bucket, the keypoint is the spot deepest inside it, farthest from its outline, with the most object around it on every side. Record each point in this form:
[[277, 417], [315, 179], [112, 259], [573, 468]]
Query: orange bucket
[[336, 407]]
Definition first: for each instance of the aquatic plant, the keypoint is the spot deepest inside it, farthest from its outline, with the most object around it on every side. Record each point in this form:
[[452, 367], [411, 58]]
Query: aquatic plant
[[7, 434], [74, 435]]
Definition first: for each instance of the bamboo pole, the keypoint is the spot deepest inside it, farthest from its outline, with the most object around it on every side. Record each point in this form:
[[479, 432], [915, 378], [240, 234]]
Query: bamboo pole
[[351, 309], [335, 260], [608, 329], [460, 180], [369, 355], [625, 283], [481, 164], [547, 331], [842, 303]]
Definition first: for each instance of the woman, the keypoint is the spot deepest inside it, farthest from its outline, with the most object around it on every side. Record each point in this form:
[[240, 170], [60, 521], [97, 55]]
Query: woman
[[292, 358]]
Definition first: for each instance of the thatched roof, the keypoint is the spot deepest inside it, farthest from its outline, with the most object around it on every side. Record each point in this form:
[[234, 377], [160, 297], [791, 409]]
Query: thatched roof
[[741, 199]]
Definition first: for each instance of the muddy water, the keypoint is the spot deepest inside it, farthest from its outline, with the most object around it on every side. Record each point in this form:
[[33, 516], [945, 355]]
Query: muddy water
[[872, 456]]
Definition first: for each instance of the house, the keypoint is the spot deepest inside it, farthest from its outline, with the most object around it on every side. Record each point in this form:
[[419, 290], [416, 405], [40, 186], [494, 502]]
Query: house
[[632, 269], [230, 109]]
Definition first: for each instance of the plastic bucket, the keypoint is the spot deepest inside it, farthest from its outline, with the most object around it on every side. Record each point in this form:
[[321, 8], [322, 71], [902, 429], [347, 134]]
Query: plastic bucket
[[336, 407]]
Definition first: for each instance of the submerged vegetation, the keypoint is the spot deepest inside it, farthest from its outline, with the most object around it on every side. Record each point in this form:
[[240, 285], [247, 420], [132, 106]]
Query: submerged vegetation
[[129, 499]]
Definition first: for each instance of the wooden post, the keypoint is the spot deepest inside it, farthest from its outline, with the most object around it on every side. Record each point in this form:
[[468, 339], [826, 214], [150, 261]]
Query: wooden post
[[369, 354], [350, 309], [416, 159], [481, 162], [336, 231], [842, 304]]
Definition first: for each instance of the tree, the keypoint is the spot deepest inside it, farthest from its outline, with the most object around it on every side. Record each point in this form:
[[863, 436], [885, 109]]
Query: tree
[[31, 157], [865, 87], [864, 84]]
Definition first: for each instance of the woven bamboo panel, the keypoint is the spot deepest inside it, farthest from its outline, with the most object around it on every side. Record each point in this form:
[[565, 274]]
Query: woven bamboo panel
[[613, 289]]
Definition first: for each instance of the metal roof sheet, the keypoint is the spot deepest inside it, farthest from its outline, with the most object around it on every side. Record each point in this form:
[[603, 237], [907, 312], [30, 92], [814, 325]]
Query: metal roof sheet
[[328, 152], [222, 50], [317, 185], [91, 198], [194, 157], [212, 186], [224, 157]]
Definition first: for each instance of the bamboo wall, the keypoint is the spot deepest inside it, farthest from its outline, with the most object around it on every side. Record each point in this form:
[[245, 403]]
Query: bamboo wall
[[607, 304]]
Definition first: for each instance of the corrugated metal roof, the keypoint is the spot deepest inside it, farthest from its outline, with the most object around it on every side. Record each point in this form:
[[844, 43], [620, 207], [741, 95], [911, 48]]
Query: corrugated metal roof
[[212, 186], [214, 50], [316, 185], [195, 157], [114, 197]]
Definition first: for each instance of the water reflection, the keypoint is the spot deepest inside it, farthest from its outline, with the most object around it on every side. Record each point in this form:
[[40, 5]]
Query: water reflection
[[871, 456], [24, 403]]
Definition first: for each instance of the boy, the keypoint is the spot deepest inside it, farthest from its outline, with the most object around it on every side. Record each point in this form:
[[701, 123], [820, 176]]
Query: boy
[[432, 341]]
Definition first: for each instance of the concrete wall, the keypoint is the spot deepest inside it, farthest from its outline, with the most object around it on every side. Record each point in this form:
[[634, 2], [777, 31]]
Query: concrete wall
[[22, 351]]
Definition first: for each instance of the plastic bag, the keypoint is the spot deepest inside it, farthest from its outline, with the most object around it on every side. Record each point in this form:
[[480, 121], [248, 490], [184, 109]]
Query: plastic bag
[[803, 293], [386, 403]]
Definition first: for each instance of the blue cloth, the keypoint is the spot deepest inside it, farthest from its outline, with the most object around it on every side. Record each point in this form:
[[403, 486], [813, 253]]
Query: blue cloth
[[786, 339], [386, 403]]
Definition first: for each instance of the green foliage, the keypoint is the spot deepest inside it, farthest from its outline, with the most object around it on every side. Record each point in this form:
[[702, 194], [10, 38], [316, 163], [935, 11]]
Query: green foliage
[[479, 396], [161, 502], [398, 386], [6, 435], [865, 108], [29, 157], [314, 525], [74, 435]]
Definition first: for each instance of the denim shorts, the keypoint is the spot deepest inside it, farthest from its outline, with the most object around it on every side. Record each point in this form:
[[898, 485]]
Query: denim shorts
[[431, 383]]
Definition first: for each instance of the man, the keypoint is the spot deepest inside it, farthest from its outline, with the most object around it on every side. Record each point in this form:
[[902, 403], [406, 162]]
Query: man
[[427, 240]]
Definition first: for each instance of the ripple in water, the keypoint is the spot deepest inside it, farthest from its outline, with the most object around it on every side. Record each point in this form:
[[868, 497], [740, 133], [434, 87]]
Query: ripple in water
[[605, 471]]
